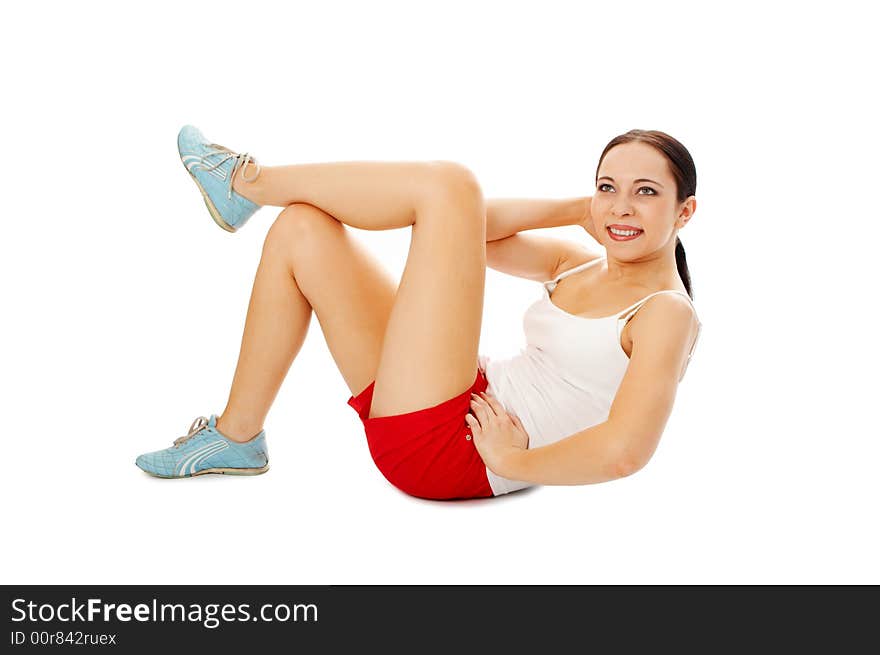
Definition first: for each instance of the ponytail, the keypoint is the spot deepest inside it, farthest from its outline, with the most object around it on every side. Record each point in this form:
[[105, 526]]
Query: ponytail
[[681, 263]]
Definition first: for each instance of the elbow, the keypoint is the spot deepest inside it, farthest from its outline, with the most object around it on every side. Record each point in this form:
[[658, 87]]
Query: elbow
[[622, 467], [629, 448], [624, 463]]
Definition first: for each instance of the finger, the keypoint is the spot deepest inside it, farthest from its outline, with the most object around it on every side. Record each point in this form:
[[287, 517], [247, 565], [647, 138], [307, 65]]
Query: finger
[[477, 401], [493, 403], [484, 402], [478, 407]]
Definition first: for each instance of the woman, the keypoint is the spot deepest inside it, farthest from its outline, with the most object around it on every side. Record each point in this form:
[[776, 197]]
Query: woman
[[586, 401]]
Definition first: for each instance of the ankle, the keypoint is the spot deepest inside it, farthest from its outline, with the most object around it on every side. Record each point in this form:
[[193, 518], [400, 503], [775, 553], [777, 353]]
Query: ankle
[[250, 190], [239, 431]]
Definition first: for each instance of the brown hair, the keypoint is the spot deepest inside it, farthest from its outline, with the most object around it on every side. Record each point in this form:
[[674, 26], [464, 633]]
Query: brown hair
[[681, 165]]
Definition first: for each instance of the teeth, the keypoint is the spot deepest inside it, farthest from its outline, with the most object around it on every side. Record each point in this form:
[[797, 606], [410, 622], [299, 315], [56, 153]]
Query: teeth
[[623, 233]]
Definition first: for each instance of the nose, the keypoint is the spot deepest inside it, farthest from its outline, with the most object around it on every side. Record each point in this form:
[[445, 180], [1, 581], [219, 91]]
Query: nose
[[621, 209]]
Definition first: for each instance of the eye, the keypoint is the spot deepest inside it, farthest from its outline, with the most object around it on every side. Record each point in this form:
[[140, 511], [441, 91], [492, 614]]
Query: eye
[[602, 186]]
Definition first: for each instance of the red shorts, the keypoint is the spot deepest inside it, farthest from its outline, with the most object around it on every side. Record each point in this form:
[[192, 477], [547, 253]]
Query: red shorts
[[428, 453]]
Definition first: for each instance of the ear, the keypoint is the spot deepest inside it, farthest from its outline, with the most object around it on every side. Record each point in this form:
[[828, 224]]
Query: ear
[[687, 210]]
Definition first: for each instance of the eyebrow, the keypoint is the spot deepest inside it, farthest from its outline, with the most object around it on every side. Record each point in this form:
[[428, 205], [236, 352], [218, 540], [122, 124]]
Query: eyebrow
[[641, 179]]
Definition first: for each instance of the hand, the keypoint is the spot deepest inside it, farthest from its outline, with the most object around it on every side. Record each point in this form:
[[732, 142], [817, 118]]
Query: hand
[[498, 435], [586, 220]]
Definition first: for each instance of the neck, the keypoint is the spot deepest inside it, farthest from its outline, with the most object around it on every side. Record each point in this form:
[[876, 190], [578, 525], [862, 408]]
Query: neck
[[656, 269]]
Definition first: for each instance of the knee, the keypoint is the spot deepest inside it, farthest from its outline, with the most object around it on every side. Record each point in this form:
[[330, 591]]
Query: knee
[[298, 226], [454, 180]]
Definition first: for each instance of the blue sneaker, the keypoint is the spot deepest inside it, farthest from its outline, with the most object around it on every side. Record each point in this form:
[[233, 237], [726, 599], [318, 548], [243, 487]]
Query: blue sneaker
[[213, 167], [205, 450]]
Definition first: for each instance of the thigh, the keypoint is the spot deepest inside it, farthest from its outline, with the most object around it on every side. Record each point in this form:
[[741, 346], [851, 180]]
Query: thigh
[[432, 338], [348, 289]]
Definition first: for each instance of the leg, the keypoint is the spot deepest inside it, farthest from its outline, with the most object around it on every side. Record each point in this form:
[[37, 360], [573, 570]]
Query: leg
[[432, 339], [370, 195], [309, 261], [430, 348]]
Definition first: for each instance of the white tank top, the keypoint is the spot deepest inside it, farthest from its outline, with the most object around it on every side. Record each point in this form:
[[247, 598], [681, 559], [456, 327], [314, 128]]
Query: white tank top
[[566, 377]]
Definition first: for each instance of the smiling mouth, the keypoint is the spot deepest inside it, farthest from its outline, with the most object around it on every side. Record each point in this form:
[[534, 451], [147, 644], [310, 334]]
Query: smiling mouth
[[619, 234]]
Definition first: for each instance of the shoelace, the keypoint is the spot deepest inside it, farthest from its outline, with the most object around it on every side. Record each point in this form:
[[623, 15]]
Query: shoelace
[[197, 426], [241, 161]]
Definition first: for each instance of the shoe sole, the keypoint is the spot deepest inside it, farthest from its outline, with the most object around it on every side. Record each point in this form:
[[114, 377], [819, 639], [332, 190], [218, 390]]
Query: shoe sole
[[210, 205], [221, 471]]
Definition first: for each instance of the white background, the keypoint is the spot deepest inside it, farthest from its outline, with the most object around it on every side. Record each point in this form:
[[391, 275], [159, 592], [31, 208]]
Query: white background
[[123, 303]]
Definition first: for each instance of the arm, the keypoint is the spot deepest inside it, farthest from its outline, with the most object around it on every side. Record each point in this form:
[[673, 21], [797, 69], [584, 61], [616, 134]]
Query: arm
[[625, 442], [531, 256], [535, 257], [507, 216]]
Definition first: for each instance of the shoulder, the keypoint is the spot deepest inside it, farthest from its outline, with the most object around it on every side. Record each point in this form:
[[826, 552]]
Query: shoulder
[[669, 305], [666, 320]]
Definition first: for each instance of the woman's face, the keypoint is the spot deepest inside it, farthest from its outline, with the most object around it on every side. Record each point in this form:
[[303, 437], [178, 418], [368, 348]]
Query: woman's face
[[635, 192]]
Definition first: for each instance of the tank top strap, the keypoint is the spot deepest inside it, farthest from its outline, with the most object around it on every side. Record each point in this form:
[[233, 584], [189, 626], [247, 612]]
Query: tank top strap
[[574, 270], [628, 313], [625, 314]]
